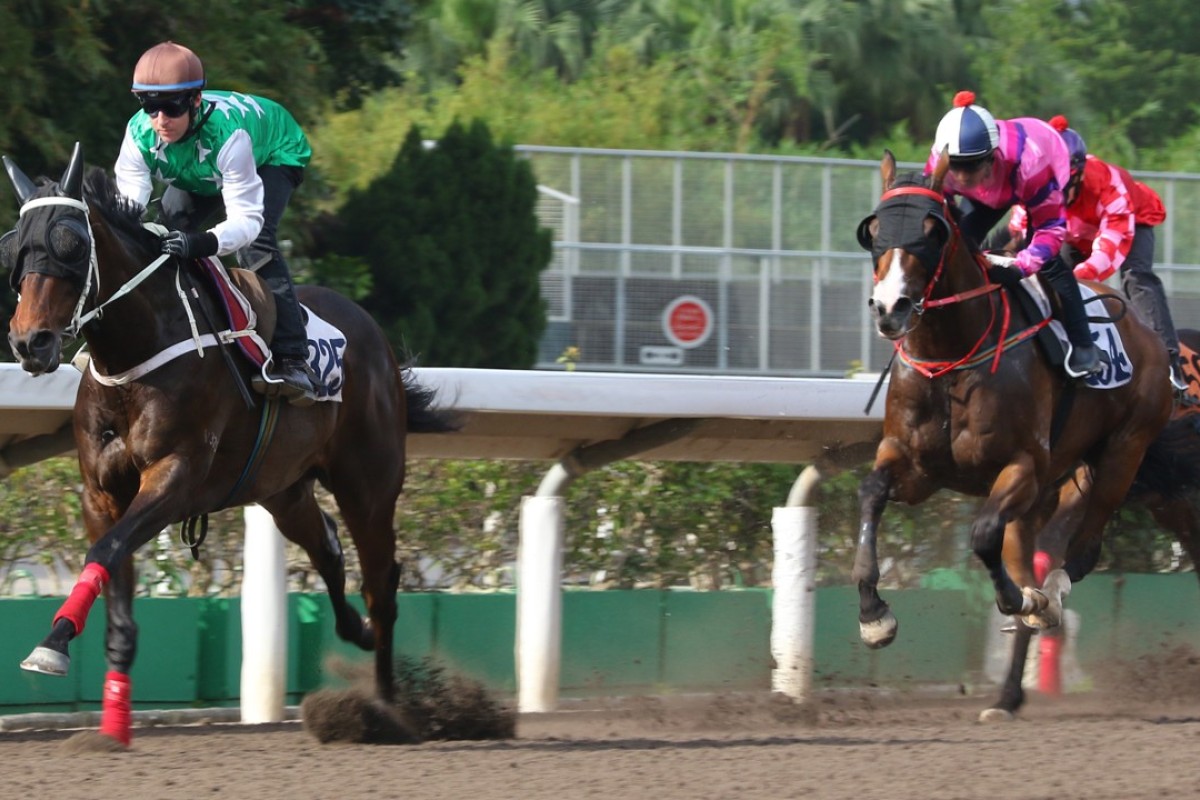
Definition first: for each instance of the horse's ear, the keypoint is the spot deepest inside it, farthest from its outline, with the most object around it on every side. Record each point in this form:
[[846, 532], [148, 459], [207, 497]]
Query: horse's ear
[[936, 225], [72, 178], [20, 181], [940, 170], [887, 169], [866, 232]]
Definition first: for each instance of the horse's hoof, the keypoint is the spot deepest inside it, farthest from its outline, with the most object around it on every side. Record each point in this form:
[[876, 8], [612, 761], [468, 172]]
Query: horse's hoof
[[1057, 584], [1042, 622], [1048, 600], [879, 633], [47, 661], [996, 715]]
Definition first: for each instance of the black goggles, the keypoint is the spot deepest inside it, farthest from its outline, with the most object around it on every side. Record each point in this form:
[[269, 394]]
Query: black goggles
[[173, 106]]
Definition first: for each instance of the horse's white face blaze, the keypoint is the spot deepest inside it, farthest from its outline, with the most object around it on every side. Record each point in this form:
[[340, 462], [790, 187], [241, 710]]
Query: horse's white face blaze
[[892, 302], [891, 288]]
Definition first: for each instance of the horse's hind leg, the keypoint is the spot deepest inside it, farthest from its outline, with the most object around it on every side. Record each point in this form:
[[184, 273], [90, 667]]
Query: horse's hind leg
[[366, 483], [1112, 475], [371, 527], [301, 520], [1178, 515]]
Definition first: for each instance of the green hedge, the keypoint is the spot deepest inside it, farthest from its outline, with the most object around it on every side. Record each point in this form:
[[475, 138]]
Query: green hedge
[[630, 525]]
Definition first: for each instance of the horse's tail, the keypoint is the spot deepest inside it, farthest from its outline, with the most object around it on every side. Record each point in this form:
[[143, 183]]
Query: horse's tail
[[423, 415], [1171, 466]]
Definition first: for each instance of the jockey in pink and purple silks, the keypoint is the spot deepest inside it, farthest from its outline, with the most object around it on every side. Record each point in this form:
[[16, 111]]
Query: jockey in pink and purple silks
[[997, 164]]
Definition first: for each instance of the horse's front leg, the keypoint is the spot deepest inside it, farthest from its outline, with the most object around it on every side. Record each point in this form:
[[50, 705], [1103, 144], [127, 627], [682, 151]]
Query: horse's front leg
[[1050, 583], [877, 626], [120, 640], [1013, 494], [1012, 693], [163, 495]]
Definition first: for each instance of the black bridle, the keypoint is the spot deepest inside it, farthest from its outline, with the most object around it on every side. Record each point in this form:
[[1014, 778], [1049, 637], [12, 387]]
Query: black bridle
[[58, 243]]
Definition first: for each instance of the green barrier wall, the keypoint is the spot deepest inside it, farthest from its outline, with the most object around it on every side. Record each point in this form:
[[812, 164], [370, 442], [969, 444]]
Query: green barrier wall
[[618, 642]]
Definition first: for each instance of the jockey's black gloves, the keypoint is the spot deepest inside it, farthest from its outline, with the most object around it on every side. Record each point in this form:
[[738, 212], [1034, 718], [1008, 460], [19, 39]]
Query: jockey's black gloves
[[1005, 276], [190, 245]]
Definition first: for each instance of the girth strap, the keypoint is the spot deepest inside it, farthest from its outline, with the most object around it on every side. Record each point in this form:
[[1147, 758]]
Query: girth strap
[[266, 431], [188, 535]]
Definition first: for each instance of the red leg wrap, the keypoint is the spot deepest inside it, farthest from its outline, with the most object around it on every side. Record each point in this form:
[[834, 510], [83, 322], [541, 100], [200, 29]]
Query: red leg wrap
[[1041, 566], [1050, 663], [1049, 642], [79, 602], [116, 716]]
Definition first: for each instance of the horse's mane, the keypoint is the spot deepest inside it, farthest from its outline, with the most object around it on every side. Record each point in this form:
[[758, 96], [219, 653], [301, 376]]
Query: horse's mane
[[122, 215]]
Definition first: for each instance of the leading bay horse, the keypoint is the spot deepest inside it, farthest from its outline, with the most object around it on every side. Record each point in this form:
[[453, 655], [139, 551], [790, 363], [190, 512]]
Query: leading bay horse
[[974, 406], [181, 441]]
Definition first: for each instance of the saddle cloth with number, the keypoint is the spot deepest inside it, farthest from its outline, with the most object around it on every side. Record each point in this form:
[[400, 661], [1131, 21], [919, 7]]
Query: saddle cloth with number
[[326, 344]]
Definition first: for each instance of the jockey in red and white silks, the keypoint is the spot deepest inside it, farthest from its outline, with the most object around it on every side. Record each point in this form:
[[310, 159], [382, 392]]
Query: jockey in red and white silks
[[1101, 219]]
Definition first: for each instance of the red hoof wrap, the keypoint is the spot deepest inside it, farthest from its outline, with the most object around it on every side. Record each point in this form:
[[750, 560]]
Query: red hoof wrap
[[116, 715]]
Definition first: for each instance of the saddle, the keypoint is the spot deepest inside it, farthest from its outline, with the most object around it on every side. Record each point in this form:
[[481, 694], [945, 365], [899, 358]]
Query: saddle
[[249, 310], [247, 302], [1051, 347], [1040, 302]]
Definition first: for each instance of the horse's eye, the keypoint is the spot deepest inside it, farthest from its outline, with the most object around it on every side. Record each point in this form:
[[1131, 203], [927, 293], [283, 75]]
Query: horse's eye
[[67, 240], [8, 250]]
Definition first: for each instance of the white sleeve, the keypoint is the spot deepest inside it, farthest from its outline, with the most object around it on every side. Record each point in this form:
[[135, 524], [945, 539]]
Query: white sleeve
[[242, 192], [131, 172]]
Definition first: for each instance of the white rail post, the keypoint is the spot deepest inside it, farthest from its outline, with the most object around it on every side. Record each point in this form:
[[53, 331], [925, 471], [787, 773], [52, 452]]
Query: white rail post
[[793, 610], [539, 603], [264, 620]]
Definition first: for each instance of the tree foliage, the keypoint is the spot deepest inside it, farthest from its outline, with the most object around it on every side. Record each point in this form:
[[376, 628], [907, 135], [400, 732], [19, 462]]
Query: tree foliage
[[442, 246], [455, 250]]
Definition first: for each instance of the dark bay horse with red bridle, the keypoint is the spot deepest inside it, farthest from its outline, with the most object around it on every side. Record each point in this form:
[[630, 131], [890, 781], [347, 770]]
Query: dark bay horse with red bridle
[[974, 406], [181, 441]]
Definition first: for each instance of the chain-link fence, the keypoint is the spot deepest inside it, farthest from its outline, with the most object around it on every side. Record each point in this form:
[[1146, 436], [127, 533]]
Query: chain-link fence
[[721, 263]]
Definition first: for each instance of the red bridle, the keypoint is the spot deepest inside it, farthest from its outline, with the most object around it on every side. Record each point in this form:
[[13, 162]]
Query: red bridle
[[934, 369]]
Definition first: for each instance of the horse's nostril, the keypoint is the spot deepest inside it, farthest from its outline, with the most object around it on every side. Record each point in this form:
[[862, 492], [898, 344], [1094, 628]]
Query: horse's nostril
[[42, 343]]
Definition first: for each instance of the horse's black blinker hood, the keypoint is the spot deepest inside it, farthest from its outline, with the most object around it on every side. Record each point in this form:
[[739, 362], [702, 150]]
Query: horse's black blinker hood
[[902, 225]]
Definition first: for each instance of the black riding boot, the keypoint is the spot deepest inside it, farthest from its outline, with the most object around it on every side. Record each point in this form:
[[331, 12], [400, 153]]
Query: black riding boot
[[1145, 291], [1084, 358], [289, 377]]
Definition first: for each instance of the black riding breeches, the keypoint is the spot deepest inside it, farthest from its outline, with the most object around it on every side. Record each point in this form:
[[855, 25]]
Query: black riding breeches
[[1145, 290]]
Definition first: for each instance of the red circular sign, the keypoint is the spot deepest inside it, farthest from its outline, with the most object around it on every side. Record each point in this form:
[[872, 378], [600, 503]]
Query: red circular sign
[[687, 321]]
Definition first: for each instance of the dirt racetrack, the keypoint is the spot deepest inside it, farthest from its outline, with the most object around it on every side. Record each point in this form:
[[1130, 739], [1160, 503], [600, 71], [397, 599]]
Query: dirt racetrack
[[890, 746]]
